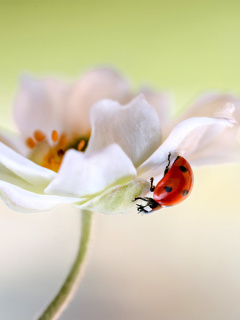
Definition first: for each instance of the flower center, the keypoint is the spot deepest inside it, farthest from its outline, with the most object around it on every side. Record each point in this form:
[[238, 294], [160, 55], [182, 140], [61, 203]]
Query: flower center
[[51, 156]]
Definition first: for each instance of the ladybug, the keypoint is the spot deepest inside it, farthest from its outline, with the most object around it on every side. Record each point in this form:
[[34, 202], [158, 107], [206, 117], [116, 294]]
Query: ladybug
[[173, 188]]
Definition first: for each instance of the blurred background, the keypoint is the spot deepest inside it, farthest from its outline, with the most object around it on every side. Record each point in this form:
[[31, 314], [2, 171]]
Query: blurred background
[[178, 264]]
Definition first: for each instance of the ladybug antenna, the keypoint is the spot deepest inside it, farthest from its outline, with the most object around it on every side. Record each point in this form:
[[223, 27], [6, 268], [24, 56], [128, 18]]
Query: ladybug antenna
[[152, 187], [167, 167]]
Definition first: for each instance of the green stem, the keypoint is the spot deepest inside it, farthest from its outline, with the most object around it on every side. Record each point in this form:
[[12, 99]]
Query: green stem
[[62, 299]]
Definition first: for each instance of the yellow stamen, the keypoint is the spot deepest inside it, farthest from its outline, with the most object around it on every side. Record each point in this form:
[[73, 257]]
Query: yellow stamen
[[30, 143], [62, 141], [39, 135], [52, 160], [50, 155], [81, 145], [54, 136]]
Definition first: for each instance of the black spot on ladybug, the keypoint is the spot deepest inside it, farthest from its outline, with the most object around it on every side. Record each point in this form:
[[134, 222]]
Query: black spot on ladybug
[[185, 193], [183, 169], [168, 189]]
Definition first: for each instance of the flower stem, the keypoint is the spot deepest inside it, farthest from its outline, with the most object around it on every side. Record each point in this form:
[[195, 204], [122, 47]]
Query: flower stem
[[62, 299]]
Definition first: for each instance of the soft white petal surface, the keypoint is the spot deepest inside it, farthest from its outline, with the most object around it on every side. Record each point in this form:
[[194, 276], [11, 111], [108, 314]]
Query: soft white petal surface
[[81, 174], [13, 141], [118, 199], [161, 102], [209, 104], [97, 84], [10, 177], [185, 139], [26, 201], [224, 148], [135, 127], [24, 168], [39, 105]]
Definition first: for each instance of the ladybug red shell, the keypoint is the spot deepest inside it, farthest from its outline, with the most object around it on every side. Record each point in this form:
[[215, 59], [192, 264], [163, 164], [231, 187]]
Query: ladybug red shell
[[173, 188], [176, 185]]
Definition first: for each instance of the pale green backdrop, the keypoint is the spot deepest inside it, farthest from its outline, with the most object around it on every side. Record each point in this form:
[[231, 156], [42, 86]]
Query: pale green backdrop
[[182, 46]]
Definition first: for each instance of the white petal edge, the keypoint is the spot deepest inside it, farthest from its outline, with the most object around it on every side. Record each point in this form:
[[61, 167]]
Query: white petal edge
[[94, 85], [82, 175], [162, 103], [225, 148], [207, 105], [25, 168], [13, 141], [39, 105], [135, 127], [184, 140], [10, 177], [25, 201]]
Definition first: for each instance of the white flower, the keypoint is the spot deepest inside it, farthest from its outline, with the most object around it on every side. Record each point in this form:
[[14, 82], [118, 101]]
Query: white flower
[[128, 143]]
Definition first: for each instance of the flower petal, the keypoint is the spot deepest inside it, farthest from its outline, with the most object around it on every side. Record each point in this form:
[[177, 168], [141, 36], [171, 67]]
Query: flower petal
[[97, 84], [10, 177], [161, 102], [24, 168], [185, 139], [39, 105], [118, 199], [222, 149], [81, 174], [13, 141], [135, 127], [209, 104], [26, 201]]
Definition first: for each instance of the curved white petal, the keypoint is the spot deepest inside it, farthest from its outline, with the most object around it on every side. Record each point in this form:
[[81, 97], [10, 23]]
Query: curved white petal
[[81, 174], [13, 141], [10, 177], [135, 127], [24, 168], [39, 105], [224, 148], [97, 84], [209, 104], [185, 139], [118, 199], [161, 102], [26, 201]]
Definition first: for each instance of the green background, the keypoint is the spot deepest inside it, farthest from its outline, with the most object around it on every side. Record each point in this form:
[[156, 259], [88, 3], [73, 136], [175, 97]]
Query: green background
[[185, 47]]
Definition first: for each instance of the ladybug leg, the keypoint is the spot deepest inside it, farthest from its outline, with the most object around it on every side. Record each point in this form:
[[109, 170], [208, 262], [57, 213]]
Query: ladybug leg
[[152, 187], [141, 209], [167, 167], [150, 205], [140, 198]]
